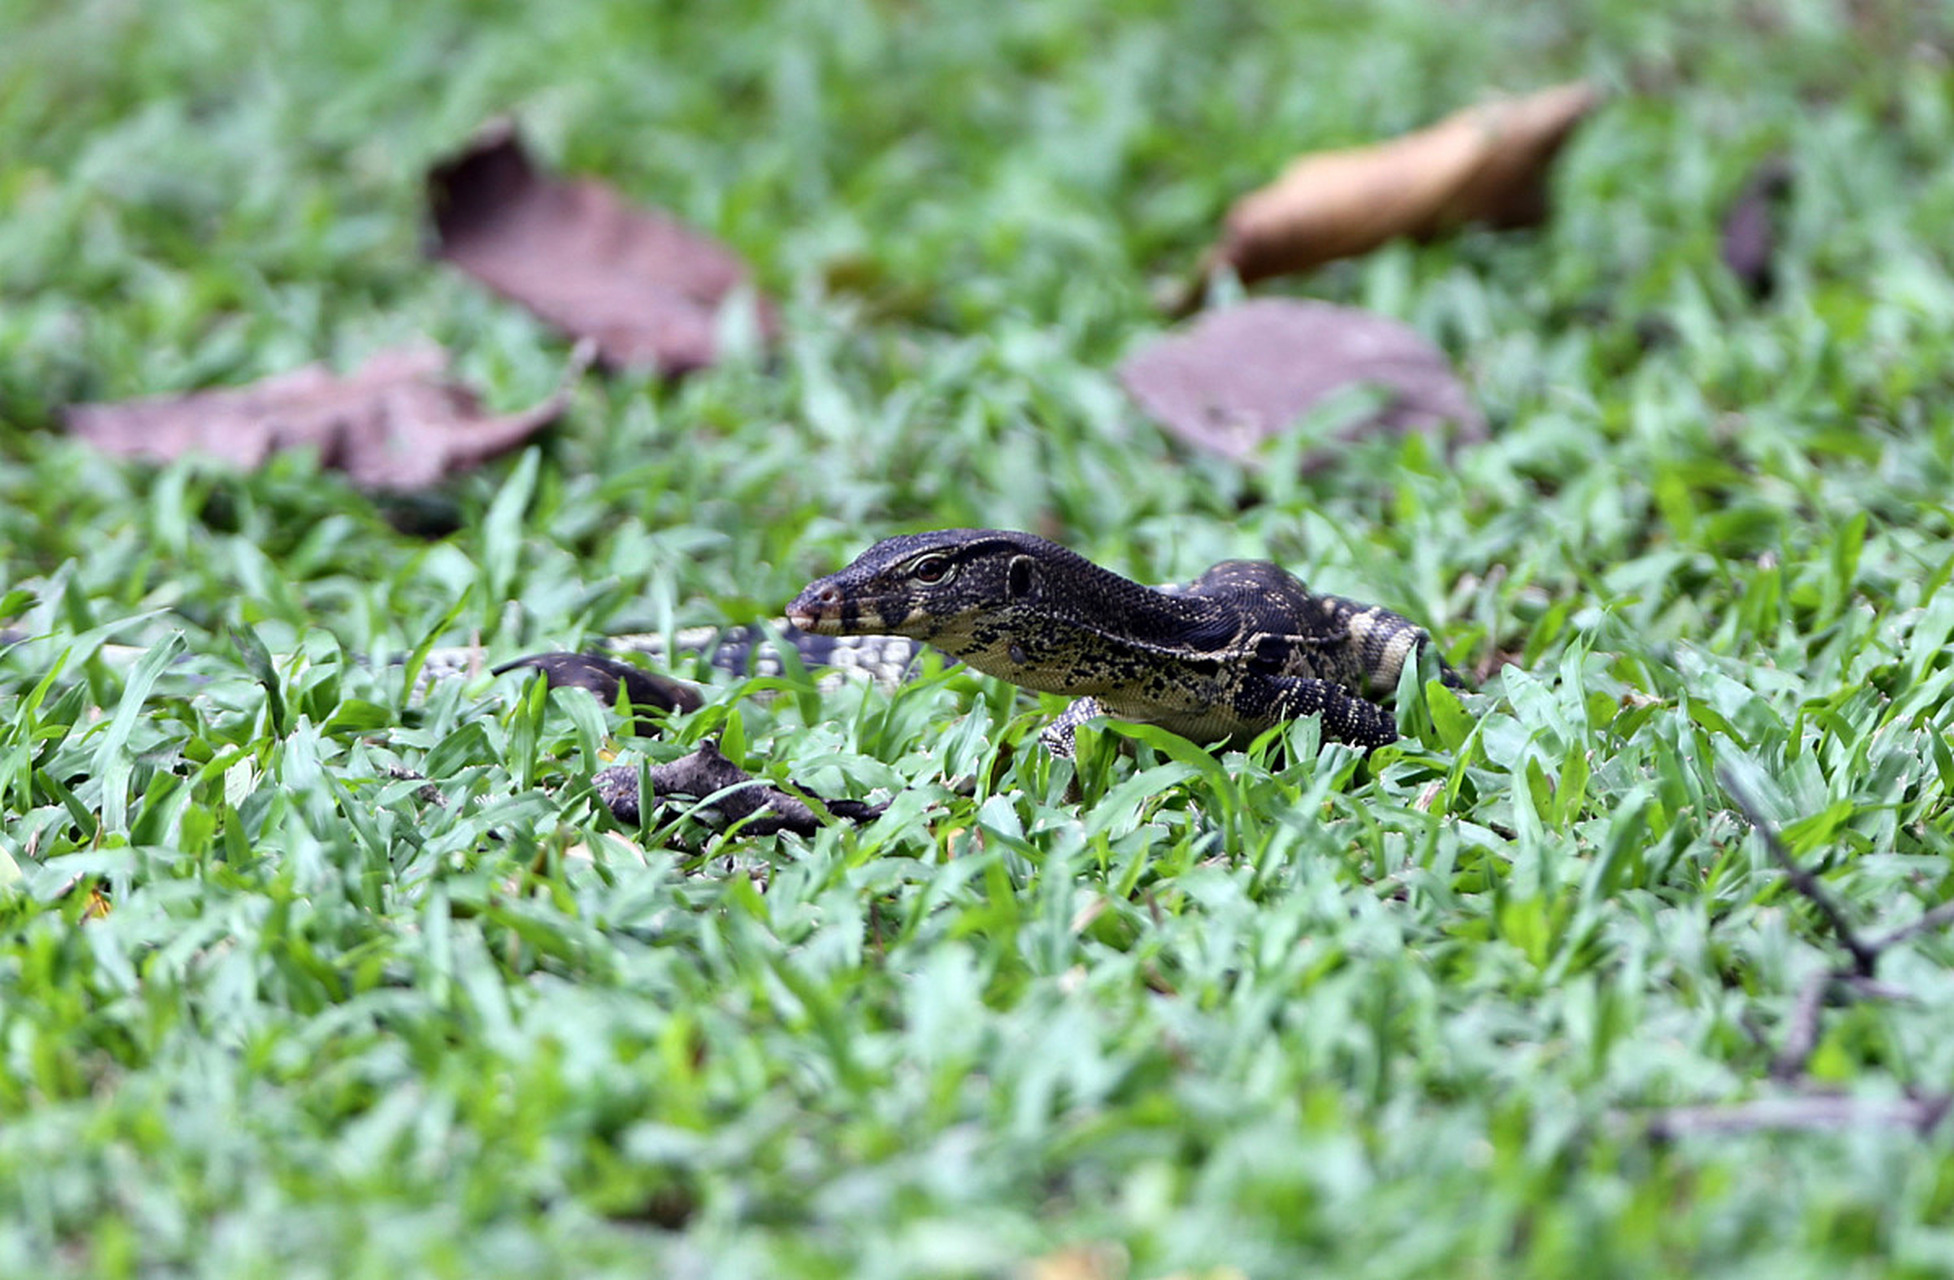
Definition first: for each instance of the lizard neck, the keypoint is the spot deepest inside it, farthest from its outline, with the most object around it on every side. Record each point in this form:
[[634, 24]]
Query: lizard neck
[[1087, 630]]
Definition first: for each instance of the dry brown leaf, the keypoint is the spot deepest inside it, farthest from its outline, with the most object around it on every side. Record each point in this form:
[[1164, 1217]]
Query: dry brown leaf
[[1236, 377], [1099, 1260], [395, 423], [646, 287], [1485, 164]]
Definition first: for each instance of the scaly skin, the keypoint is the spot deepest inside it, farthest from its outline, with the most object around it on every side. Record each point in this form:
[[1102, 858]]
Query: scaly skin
[[1241, 649]]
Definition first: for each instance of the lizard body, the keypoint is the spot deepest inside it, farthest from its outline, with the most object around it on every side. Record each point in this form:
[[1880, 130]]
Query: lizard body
[[1244, 647]]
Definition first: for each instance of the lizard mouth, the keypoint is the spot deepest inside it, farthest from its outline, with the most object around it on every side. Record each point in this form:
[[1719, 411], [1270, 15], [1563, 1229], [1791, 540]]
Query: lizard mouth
[[817, 611], [824, 610]]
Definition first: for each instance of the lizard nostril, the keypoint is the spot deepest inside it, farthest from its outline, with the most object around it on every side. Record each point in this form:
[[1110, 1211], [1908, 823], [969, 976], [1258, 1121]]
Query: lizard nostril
[[829, 594]]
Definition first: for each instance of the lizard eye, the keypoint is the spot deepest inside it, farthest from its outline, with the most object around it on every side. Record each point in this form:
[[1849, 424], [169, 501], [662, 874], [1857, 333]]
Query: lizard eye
[[931, 569]]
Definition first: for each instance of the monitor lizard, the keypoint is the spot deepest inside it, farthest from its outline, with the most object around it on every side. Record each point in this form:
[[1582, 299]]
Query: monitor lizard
[[1237, 651]]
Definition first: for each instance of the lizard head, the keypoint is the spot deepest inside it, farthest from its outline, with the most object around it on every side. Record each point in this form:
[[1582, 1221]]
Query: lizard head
[[936, 587]]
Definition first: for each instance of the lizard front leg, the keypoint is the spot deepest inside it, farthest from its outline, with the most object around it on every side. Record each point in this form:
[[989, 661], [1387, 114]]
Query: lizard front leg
[[1265, 701], [1061, 736], [1261, 702]]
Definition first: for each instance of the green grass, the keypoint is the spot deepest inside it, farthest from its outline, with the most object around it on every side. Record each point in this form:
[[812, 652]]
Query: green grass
[[267, 1008]]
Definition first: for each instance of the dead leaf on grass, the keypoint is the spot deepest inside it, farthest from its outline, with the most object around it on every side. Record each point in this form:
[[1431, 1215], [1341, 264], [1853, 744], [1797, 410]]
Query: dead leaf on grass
[[1749, 241], [395, 423], [1236, 377], [1098, 1260], [1487, 163], [646, 287]]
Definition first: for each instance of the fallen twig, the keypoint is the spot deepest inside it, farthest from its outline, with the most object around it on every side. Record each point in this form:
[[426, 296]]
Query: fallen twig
[[1801, 1032], [1864, 955], [1938, 918], [1807, 1112], [1813, 1111]]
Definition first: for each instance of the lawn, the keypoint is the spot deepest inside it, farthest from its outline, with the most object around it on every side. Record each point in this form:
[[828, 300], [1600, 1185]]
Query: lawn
[[310, 976]]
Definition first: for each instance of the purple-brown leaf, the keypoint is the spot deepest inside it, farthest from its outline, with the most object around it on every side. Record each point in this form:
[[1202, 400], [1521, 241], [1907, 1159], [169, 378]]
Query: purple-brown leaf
[[1236, 377], [645, 287], [1749, 241], [396, 423]]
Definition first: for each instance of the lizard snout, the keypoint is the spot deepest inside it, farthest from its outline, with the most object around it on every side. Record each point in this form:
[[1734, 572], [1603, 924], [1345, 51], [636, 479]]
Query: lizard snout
[[817, 609]]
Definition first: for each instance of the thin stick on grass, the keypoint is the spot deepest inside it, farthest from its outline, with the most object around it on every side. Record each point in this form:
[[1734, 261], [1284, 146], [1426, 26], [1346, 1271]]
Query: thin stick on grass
[[1806, 1113], [1864, 955], [1813, 1112]]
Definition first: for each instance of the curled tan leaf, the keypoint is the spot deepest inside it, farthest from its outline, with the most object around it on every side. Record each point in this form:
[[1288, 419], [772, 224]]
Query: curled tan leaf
[[1487, 163], [1093, 1260]]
